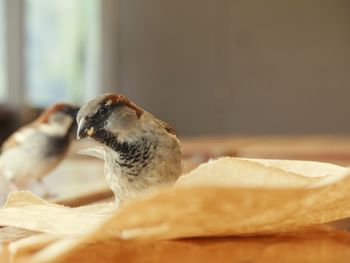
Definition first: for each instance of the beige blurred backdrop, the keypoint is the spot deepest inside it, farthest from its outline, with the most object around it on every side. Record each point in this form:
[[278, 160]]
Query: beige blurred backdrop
[[234, 66], [206, 67]]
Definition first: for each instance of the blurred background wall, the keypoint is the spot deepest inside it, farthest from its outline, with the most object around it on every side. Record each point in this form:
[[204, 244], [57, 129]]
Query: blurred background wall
[[219, 67]]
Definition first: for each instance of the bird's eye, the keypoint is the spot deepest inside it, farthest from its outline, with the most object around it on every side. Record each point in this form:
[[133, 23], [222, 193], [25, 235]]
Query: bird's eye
[[103, 109]]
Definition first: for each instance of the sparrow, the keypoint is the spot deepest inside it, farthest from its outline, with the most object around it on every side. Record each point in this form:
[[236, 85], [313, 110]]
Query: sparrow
[[36, 149], [140, 151]]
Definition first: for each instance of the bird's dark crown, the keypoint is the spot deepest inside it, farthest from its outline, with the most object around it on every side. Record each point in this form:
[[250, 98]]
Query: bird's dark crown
[[114, 99], [68, 109]]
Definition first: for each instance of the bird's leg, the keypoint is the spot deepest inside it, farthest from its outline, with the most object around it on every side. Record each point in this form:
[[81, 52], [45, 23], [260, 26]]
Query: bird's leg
[[46, 192], [13, 187]]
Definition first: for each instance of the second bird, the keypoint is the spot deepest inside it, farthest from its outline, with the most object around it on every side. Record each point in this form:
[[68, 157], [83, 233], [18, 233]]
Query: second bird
[[36, 149]]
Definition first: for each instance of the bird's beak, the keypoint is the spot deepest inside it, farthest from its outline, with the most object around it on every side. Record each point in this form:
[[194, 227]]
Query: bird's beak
[[84, 130]]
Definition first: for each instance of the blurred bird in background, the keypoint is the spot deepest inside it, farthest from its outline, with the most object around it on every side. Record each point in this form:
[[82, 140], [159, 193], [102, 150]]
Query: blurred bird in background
[[139, 150], [36, 149]]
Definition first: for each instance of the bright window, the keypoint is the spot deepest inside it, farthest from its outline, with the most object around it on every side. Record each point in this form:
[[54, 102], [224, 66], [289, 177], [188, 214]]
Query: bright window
[[61, 47], [2, 53]]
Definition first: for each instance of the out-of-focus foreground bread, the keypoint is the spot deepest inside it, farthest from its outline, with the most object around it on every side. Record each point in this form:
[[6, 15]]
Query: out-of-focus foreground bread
[[263, 173], [226, 197]]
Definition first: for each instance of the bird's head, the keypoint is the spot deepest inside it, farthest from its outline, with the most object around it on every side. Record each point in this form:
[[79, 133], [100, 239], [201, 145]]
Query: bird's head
[[60, 114], [109, 114]]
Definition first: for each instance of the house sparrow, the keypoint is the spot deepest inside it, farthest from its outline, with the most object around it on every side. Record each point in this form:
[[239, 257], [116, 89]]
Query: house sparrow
[[37, 148], [139, 150]]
